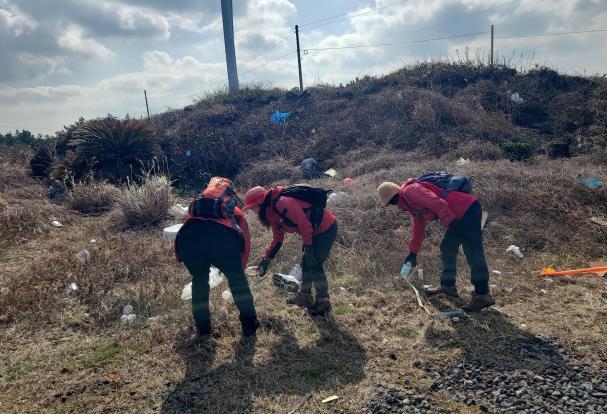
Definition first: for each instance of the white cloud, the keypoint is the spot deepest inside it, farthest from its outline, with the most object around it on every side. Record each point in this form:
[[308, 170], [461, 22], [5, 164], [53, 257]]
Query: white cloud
[[142, 20], [75, 40], [12, 18]]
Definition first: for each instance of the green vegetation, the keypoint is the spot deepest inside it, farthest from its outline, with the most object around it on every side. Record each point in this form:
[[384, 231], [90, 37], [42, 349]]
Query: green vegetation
[[100, 355], [517, 151]]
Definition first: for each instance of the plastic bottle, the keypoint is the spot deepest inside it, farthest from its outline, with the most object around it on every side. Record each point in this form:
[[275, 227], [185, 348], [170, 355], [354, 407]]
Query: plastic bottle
[[406, 270]]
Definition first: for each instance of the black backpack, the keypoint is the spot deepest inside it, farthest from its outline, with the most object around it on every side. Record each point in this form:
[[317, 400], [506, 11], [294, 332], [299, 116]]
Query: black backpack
[[317, 197], [447, 181]]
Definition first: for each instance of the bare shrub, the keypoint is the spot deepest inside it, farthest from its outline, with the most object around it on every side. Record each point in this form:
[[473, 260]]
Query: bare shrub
[[92, 197], [478, 151], [145, 204], [270, 172]]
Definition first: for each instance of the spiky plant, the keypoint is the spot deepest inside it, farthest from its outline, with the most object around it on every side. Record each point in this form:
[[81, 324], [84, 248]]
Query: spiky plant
[[114, 149]]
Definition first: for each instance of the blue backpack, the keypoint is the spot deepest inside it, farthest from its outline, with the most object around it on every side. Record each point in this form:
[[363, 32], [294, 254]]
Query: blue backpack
[[447, 181]]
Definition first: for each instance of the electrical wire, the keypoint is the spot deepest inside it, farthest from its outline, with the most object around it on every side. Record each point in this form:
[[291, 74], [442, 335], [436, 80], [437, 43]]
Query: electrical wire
[[267, 63], [550, 34]]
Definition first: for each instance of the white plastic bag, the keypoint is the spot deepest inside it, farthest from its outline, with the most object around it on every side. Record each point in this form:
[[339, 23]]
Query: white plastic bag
[[215, 279], [462, 161], [515, 250], [178, 211], [336, 196]]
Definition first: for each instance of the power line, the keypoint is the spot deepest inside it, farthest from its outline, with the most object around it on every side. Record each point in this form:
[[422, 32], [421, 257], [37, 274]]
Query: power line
[[270, 47], [550, 34], [340, 15], [267, 63]]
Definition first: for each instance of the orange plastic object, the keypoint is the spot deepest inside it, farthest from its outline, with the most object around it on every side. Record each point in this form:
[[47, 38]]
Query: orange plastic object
[[348, 180], [549, 271]]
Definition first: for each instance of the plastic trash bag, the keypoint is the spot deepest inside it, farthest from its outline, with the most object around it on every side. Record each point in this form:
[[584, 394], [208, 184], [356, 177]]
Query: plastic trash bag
[[278, 117], [592, 183], [178, 211], [462, 161], [56, 224], [515, 250], [170, 233], [516, 98], [336, 196], [215, 279]]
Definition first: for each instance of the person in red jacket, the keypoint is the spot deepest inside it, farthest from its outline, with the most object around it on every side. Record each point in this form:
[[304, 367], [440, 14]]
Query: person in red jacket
[[459, 214], [283, 215], [225, 244]]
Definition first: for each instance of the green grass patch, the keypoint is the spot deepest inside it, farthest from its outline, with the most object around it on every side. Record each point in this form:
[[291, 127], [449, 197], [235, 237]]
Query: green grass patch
[[342, 310], [18, 370], [3, 259], [321, 370], [346, 280], [407, 332], [100, 355]]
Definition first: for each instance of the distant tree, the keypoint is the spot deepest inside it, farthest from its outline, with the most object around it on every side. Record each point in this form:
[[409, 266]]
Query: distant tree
[[24, 137]]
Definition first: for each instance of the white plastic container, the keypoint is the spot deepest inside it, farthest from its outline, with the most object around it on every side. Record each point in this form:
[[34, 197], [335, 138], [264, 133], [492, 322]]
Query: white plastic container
[[170, 233]]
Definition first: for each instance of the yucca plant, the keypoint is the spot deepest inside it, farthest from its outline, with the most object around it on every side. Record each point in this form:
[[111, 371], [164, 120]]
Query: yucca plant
[[115, 150]]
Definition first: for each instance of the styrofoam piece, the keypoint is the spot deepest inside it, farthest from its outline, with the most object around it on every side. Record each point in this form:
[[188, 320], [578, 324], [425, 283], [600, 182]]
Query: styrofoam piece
[[56, 224], [170, 233]]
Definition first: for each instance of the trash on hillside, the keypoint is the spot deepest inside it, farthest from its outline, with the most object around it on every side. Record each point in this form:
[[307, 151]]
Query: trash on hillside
[[56, 224], [599, 221], [516, 98], [455, 319], [484, 218], [290, 282], [252, 271], [157, 318], [462, 161], [178, 211], [278, 117], [592, 183], [599, 264], [543, 291], [515, 251], [169, 233], [4, 291], [215, 279], [330, 399], [591, 271], [127, 309], [496, 272], [524, 326], [93, 242], [336, 196], [426, 287], [186, 293], [83, 256], [301, 403], [128, 318], [226, 295], [447, 314], [493, 287], [420, 274], [348, 180], [309, 168], [405, 271], [331, 172], [72, 287]]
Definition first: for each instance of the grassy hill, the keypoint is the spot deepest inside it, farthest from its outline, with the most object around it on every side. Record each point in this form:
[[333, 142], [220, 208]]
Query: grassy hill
[[540, 349]]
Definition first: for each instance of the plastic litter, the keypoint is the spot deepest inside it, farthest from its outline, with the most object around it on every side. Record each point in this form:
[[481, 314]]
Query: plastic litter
[[462, 161], [515, 251], [186, 293], [496, 272], [594, 271], [420, 274], [406, 270], [178, 211], [543, 291], [83, 256], [331, 172], [348, 180], [278, 117], [93, 242], [72, 287], [169, 233], [226, 295], [516, 98], [127, 309], [336, 196], [252, 271], [56, 224], [128, 318], [447, 314], [455, 319], [215, 279], [4, 291], [592, 183], [330, 399]]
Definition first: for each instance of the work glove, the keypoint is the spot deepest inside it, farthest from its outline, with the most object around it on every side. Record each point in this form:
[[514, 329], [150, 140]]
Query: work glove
[[263, 266], [308, 257], [411, 258]]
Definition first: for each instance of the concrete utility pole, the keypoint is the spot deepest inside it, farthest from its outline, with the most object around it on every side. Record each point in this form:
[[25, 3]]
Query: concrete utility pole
[[298, 58], [492, 45], [227, 16], [147, 107]]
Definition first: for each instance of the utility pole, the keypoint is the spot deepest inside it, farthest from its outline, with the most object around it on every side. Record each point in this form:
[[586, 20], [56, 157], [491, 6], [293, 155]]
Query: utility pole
[[145, 94], [491, 45], [298, 58], [228, 40]]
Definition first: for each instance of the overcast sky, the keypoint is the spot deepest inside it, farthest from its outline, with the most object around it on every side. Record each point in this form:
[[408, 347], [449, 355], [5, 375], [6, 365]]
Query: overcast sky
[[62, 59]]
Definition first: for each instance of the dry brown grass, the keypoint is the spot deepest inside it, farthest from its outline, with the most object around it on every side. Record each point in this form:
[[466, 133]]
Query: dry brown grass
[[145, 204], [91, 197]]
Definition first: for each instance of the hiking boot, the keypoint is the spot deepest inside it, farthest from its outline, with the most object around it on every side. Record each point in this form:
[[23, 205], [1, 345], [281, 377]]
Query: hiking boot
[[479, 302], [450, 291], [302, 298], [249, 327], [321, 308]]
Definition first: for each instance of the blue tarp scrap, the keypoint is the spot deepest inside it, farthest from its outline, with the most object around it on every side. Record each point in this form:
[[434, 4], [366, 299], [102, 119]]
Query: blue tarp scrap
[[278, 117]]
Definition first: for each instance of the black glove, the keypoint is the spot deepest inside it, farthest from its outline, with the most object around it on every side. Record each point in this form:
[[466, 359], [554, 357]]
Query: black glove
[[411, 258], [263, 266], [308, 257]]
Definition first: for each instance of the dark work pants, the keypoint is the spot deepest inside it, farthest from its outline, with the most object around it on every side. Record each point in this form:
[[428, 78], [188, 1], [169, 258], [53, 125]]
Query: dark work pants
[[466, 232], [315, 275], [205, 243]]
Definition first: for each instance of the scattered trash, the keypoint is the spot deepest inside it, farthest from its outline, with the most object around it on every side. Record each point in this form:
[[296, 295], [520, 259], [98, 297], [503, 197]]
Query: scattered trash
[[455, 319], [496, 272], [169, 233], [83, 256], [406, 270], [462, 161], [336, 196], [128, 318], [278, 117], [331, 172], [4, 291], [127, 309], [330, 399], [447, 314], [599, 264], [420, 274], [226, 295], [348, 180], [516, 98], [56, 224], [301, 403], [93, 242], [157, 318], [343, 289], [309, 168], [484, 218], [543, 291], [178, 211], [72, 287], [215, 279], [600, 221], [252, 271], [186, 293], [515, 251], [594, 271], [592, 183], [524, 326], [426, 287], [493, 287]]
